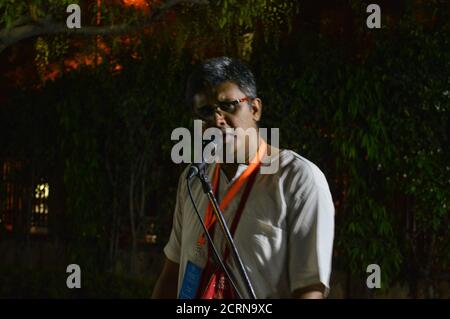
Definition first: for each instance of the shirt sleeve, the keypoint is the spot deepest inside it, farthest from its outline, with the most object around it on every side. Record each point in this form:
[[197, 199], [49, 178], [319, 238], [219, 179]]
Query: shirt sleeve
[[172, 249], [311, 230]]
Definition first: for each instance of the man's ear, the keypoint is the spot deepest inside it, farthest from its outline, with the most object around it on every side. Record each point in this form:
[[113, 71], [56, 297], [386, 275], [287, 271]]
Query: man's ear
[[256, 109]]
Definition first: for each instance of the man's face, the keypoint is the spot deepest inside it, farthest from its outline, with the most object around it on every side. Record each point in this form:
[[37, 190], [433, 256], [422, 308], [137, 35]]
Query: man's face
[[243, 115]]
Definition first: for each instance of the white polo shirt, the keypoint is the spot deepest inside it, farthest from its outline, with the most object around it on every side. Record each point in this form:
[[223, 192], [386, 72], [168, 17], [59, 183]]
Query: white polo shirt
[[285, 234]]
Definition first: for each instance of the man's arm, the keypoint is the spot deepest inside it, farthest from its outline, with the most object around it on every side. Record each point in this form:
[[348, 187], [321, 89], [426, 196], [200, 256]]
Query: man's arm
[[167, 284], [310, 292]]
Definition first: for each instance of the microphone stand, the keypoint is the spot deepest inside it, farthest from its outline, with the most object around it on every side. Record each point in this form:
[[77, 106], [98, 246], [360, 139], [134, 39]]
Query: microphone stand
[[219, 215]]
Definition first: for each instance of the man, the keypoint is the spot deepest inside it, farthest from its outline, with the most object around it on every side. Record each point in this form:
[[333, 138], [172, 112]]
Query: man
[[282, 223]]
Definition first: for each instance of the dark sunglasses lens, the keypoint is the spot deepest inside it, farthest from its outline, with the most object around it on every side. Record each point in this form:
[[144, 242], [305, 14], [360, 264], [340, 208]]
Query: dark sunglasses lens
[[228, 107]]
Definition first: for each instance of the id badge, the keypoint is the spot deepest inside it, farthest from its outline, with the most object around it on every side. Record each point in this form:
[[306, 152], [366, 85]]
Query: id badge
[[191, 281]]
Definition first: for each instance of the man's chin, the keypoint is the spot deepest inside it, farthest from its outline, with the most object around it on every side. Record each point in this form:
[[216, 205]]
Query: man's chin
[[228, 139], [229, 148]]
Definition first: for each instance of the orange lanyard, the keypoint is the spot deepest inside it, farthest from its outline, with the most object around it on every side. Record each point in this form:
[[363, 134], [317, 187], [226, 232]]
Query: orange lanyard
[[210, 217]]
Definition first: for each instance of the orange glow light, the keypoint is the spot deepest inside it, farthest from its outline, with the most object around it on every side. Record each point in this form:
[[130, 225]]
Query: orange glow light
[[136, 3]]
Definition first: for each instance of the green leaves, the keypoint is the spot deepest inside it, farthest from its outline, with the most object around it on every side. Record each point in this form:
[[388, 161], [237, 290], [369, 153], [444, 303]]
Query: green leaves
[[359, 121]]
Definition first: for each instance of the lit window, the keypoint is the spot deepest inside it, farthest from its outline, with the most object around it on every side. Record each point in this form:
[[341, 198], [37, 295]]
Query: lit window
[[150, 236], [39, 216]]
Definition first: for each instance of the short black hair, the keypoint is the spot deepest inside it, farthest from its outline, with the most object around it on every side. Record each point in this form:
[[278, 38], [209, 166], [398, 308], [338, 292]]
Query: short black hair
[[215, 71]]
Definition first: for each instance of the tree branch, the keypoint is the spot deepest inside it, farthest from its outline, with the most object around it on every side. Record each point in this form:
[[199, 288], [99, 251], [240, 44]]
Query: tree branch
[[47, 26]]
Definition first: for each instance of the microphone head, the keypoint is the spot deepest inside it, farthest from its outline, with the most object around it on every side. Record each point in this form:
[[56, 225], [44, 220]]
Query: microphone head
[[209, 148]]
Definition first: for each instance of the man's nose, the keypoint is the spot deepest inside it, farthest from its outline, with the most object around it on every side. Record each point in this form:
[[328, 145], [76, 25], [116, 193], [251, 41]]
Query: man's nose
[[219, 119]]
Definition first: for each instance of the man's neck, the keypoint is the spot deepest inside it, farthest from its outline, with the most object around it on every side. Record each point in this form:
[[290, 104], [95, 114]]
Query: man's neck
[[230, 169]]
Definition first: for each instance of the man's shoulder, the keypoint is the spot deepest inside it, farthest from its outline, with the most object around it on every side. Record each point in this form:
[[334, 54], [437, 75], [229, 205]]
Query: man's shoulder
[[182, 186], [295, 168], [292, 167], [292, 162], [184, 172]]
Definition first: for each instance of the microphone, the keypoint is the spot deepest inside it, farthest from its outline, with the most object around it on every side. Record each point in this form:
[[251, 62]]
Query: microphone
[[196, 168]]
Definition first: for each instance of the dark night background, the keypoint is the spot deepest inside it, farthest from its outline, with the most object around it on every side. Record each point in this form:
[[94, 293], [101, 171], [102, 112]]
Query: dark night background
[[86, 118]]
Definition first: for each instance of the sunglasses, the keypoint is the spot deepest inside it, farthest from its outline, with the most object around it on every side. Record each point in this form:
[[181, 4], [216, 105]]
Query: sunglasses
[[208, 112]]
